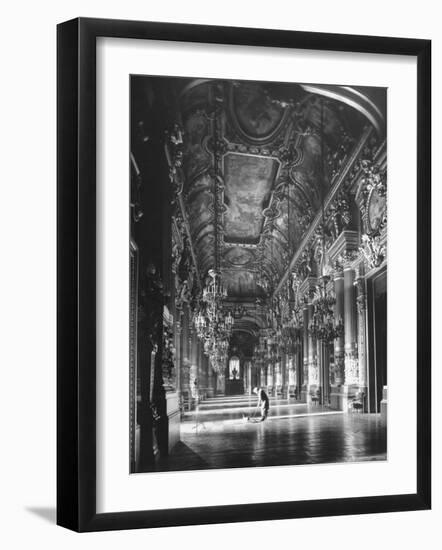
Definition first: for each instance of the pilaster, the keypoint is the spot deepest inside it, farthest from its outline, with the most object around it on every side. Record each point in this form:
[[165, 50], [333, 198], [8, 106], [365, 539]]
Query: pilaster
[[339, 352], [311, 368], [361, 300], [343, 253], [306, 321]]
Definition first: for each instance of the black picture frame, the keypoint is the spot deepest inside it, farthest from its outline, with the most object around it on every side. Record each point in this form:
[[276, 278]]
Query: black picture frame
[[76, 273]]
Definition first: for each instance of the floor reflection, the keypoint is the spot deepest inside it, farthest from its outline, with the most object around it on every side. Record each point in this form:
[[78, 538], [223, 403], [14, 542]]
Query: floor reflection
[[218, 435]]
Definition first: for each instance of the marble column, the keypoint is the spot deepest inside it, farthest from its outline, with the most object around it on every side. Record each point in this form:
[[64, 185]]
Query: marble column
[[336, 392], [284, 375], [270, 377], [201, 369], [299, 369], [210, 380], [191, 359], [324, 358], [220, 383], [253, 380], [185, 358], [178, 350], [362, 338], [292, 368], [278, 377], [313, 370], [339, 342], [351, 336], [263, 380], [306, 321], [207, 370], [247, 376], [341, 254], [194, 374]]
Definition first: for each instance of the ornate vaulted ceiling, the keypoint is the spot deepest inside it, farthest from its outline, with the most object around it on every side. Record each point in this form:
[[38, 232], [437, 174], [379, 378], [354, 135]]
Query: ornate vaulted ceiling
[[269, 152]]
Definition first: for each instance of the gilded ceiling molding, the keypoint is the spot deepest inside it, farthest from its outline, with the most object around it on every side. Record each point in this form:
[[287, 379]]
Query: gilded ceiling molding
[[255, 140], [347, 241], [374, 250], [371, 197], [331, 196], [190, 241], [306, 289], [174, 155]]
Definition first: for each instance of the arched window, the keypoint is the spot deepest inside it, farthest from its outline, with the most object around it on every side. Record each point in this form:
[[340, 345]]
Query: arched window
[[234, 368]]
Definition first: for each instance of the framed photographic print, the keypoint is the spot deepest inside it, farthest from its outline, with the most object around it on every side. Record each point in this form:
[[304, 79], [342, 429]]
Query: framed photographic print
[[243, 274]]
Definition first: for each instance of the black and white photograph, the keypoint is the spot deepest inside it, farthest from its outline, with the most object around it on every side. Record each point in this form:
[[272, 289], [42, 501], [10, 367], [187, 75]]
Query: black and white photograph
[[258, 274]]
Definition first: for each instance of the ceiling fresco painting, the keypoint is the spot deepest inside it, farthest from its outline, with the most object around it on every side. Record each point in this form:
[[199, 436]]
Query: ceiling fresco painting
[[248, 183]]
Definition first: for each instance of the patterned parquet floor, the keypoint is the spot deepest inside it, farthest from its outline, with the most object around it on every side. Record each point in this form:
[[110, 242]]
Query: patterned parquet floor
[[218, 435]]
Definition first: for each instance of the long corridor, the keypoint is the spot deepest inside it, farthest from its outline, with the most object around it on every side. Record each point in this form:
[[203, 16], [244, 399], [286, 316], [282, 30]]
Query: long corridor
[[258, 259], [218, 434]]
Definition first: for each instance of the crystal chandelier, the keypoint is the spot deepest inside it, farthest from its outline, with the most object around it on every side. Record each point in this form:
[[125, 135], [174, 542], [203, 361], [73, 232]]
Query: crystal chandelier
[[213, 326], [273, 341], [260, 349], [291, 331], [214, 291], [323, 325]]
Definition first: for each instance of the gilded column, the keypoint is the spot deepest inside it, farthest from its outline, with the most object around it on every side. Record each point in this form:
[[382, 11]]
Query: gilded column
[[306, 319], [293, 373], [177, 343], [298, 364], [278, 377], [339, 314], [313, 374], [207, 370], [185, 357], [284, 376], [351, 337], [305, 353], [248, 388], [194, 374], [201, 369], [362, 341], [287, 376], [210, 380], [324, 371], [270, 377], [263, 382], [342, 253], [221, 382], [191, 353]]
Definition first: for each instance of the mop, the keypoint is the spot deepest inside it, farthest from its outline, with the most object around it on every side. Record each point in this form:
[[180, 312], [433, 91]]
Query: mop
[[251, 418]]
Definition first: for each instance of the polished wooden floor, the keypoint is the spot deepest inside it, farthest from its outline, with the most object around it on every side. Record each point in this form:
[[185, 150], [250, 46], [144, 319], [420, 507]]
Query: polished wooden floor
[[218, 435]]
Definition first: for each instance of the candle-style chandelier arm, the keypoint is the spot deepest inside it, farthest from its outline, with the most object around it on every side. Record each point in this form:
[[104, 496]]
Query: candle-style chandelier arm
[[324, 325], [214, 327]]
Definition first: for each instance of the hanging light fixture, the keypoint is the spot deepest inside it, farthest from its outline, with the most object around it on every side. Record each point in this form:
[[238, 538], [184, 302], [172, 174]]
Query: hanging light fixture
[[213, 326], [323, 325]]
